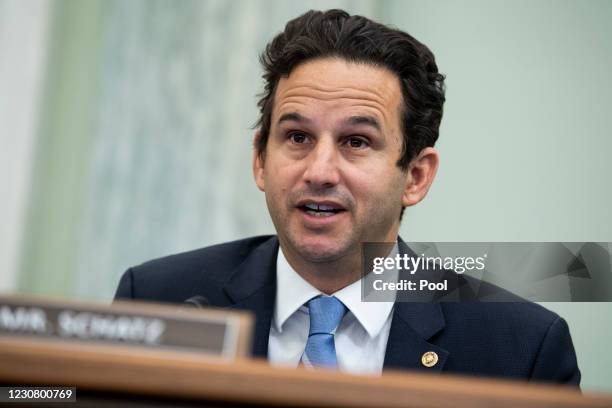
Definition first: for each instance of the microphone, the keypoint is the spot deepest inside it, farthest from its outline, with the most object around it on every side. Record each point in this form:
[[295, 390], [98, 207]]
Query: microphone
[[198, 301]]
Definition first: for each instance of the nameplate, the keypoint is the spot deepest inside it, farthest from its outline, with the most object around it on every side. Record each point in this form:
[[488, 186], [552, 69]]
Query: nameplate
[[215, 332]]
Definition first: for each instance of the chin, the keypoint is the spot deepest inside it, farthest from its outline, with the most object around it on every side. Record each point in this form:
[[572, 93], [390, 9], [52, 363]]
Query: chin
[[319, 250]]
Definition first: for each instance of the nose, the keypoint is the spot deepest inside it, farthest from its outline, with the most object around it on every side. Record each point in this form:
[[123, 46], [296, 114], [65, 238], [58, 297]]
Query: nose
[[322, 165]]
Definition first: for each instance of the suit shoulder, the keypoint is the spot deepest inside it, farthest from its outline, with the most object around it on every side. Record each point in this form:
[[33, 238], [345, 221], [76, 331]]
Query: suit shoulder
[[528, 313], [174, 276], [505, 304], [227, 254], [522, 320]]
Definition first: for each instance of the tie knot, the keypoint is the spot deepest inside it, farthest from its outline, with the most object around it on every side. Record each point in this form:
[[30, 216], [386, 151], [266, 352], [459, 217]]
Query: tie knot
[[326, 313]]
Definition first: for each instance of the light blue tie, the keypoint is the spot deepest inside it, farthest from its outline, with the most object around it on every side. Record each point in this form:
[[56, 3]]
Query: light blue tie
[[326, 313]]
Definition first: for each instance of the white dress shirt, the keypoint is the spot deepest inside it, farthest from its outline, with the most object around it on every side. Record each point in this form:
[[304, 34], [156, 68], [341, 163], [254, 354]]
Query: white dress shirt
[[361, 337]]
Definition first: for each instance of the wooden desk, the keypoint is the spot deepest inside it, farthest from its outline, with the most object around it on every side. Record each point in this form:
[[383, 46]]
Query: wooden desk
[[121, 376]]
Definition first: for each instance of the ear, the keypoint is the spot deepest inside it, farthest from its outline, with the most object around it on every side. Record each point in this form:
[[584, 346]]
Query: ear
[[258, 162], [421, 173]]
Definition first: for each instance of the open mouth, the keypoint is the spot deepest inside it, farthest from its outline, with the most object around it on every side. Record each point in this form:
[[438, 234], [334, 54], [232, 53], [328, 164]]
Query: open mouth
[[321, 210]]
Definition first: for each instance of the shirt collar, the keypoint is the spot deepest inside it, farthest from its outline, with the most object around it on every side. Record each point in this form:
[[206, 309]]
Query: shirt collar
[[293, 291]]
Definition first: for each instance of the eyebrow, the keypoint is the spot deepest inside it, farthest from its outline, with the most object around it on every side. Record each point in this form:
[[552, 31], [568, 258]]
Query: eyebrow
[[364, 120], [293, 117], [353, 120]]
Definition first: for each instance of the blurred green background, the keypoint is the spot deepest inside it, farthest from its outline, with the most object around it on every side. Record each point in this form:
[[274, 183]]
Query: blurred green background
[[125, 133]]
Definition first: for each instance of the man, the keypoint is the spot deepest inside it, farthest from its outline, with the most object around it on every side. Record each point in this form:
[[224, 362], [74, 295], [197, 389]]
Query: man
[[349, 117]]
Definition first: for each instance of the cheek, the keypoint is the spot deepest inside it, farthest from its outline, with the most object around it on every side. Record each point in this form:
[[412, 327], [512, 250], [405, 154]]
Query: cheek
[[281, 176], [378, 187]]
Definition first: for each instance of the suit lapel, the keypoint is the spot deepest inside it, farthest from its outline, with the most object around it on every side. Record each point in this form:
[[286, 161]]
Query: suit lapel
[[252, 287], [413, 324]]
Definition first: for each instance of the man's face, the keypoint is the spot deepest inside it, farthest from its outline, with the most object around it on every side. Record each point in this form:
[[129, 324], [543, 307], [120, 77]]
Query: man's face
[[329, 172]]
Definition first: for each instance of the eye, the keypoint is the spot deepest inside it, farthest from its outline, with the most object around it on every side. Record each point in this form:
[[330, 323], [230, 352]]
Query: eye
[[355, 142], [298, 137]]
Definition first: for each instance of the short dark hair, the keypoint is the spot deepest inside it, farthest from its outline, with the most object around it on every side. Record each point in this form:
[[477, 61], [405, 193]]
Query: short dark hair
[[335, 33]]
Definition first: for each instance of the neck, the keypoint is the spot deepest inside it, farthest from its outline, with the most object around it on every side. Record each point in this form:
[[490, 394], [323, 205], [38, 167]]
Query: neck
[[331, 276], [328, 276]]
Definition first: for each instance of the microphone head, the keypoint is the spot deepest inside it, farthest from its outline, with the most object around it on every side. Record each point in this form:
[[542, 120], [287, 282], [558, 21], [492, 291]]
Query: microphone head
[[198, 301]]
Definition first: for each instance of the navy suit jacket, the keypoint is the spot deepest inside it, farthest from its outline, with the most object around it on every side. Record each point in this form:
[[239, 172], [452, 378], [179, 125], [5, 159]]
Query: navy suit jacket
[[518, 340]]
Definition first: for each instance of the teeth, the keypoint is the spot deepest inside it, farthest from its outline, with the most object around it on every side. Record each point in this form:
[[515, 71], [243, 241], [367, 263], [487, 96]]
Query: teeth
[[316, 207], [320, 214]]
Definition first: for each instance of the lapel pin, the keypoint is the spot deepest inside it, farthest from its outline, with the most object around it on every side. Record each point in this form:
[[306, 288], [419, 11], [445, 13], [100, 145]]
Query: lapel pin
[[429, 359]]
